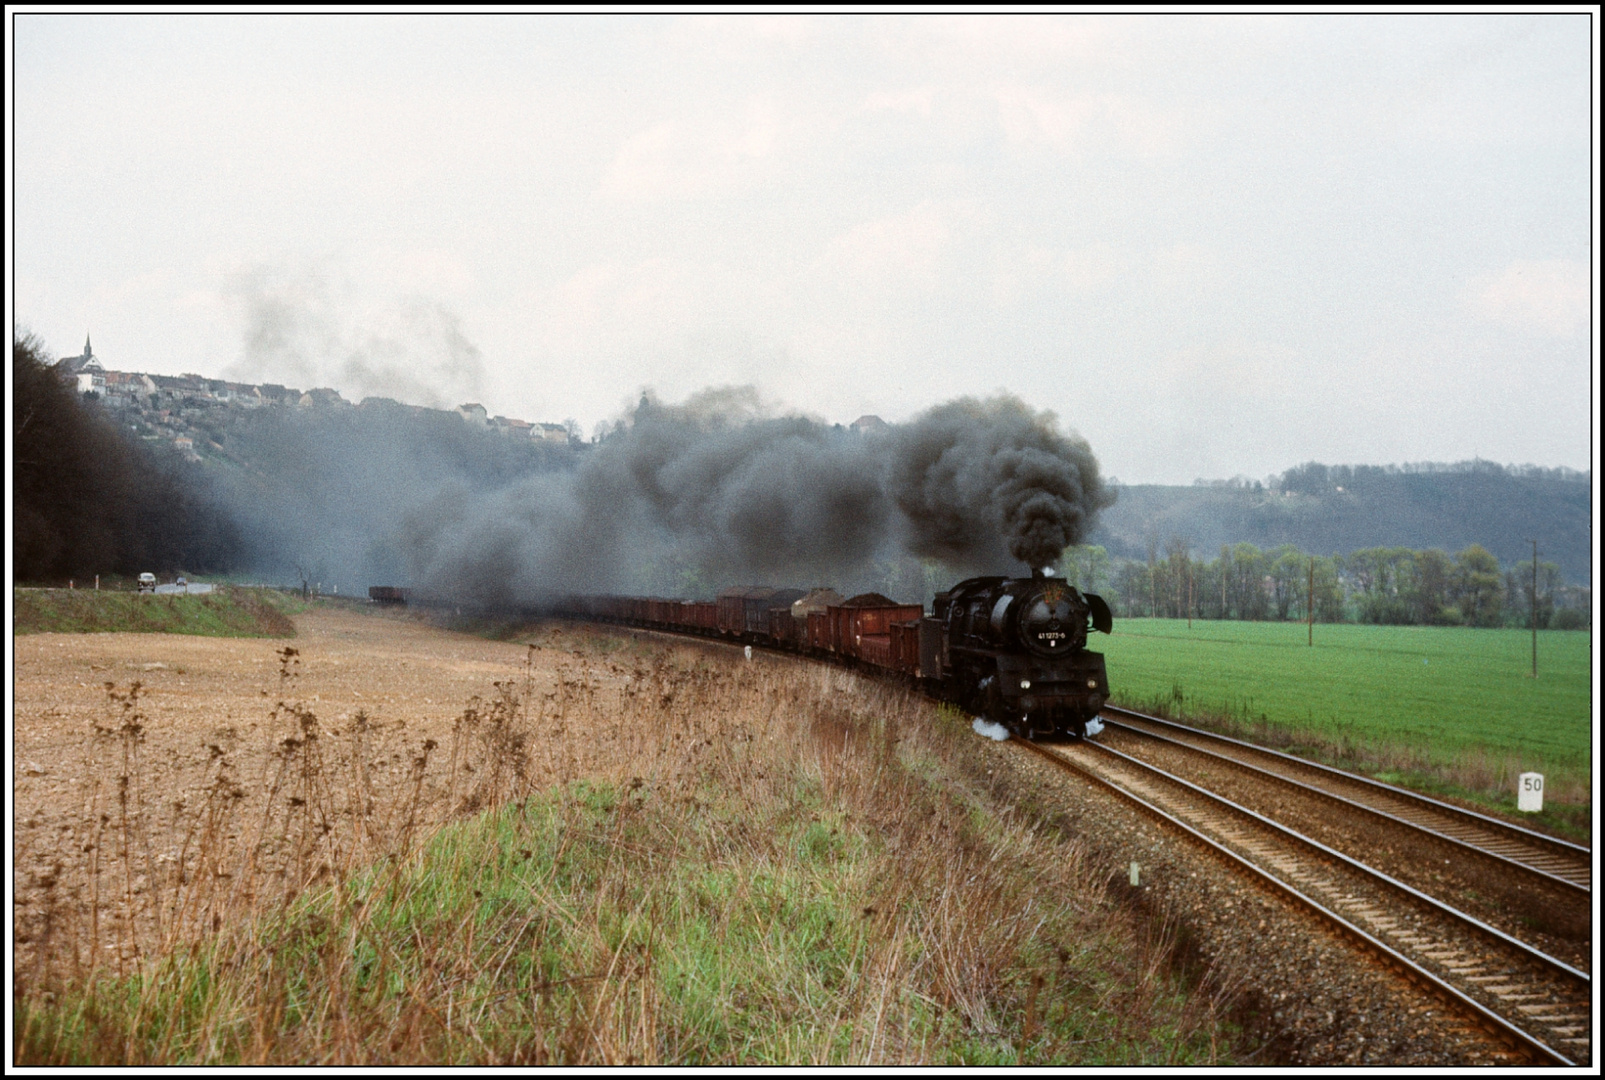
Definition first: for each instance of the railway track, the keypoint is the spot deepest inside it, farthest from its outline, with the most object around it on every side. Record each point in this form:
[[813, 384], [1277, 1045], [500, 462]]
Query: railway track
[[1534, 1001], [1568, 865], [1549, 913]]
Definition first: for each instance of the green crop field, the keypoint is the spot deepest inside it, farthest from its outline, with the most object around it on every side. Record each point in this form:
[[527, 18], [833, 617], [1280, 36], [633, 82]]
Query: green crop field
[[1444, 696], [227, 612]]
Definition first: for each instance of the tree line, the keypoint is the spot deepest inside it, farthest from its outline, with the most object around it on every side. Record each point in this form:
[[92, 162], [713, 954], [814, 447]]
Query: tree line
[[89, 498], [1341, 508], [1381, 585]]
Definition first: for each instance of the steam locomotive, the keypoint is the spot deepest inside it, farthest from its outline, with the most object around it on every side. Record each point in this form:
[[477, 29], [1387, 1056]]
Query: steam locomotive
[[1011, 650], [1014, 650]]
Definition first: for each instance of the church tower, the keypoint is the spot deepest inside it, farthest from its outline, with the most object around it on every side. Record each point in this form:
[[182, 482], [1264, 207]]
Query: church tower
[[86, 362]]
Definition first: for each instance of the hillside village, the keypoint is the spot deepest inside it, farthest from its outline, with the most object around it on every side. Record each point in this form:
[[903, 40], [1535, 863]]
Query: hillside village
[[167, 408]]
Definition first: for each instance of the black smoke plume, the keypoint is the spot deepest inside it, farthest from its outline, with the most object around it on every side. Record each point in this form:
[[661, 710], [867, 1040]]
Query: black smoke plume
[[687, 498], [350, 497], [972, 477]]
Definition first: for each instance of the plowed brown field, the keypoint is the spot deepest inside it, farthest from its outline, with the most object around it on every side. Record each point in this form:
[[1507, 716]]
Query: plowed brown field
[[206, 699], [410, 678]]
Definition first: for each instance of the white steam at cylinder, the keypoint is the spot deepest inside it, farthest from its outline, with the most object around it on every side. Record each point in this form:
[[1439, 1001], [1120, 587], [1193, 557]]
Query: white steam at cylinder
[[988, 730]]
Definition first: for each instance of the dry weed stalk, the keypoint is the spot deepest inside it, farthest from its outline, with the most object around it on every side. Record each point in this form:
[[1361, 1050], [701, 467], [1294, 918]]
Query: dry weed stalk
[[145, 887]]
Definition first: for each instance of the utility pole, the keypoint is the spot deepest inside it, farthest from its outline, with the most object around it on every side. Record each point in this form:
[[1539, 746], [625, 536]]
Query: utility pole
[[1534, 599], [1189, 592], [1309, 603]]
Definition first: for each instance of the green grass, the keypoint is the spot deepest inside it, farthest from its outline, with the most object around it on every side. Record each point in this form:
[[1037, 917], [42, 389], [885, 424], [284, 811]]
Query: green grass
[[226, 612], [1441, 696], [520, 927]]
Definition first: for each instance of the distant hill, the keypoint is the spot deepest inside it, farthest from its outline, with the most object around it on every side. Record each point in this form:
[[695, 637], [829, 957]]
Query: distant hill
[[1329, 510]]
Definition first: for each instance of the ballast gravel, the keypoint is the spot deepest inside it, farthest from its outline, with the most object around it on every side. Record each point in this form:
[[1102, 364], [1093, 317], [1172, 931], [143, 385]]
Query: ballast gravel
[[1304, 993]]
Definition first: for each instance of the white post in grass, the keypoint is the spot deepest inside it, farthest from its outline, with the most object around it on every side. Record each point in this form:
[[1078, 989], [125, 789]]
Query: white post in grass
[[1530, 792]]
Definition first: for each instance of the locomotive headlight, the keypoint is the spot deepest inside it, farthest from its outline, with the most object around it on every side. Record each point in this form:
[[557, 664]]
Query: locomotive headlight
[[1092, 684], [1025, 684]]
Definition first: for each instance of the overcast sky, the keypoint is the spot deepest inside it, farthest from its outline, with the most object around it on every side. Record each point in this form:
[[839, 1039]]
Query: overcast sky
[[1211, 245]]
